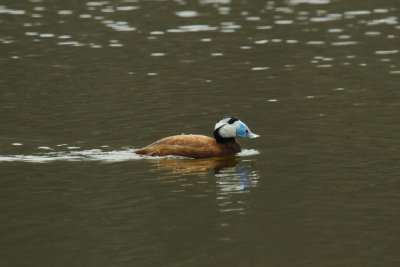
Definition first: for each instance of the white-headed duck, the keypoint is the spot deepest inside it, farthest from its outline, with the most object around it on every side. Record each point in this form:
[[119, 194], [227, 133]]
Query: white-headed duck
[[200, 146]]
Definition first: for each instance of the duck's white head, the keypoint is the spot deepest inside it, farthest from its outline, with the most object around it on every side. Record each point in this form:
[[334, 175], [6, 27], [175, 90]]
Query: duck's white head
[[229, 127]]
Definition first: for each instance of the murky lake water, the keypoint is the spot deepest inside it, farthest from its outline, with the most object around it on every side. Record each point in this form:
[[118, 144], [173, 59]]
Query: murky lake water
[[84, 83]]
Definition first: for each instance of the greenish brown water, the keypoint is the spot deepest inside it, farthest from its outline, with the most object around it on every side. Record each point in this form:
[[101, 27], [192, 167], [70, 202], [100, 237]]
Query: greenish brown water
[[83, 83]]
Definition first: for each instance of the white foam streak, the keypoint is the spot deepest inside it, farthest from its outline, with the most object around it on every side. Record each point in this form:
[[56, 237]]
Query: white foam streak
[[92, 155], [248, 152], [83, 155]]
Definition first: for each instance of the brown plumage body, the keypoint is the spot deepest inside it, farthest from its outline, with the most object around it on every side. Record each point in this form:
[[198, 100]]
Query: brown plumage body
[[193, 146]]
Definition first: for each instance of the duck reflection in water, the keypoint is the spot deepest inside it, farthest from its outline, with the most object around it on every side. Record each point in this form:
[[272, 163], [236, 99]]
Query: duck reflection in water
[[188, 166], [233, 178]]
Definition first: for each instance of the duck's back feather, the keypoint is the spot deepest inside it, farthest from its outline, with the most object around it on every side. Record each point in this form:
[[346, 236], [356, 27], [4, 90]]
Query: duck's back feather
[[194, 146]]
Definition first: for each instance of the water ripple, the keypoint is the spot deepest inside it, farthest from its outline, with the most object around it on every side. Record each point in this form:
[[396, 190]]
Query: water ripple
[[74, 155], [193, 28], [187, 14], [313, 2]]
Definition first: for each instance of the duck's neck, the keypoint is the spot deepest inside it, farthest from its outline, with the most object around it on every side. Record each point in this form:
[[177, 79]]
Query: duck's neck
[[223, 140]]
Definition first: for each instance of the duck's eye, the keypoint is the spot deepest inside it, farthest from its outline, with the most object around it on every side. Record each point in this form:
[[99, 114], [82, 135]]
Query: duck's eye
[[232, 120]]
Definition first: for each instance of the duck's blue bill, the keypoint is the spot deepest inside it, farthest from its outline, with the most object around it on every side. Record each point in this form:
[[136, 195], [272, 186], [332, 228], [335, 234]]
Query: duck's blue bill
[[244, 131]]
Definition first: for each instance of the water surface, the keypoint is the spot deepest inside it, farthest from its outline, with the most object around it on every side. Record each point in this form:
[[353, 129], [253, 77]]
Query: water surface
[[84, 83]]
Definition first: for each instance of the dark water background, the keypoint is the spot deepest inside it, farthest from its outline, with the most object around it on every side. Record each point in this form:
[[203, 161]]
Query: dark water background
[[83, 83]]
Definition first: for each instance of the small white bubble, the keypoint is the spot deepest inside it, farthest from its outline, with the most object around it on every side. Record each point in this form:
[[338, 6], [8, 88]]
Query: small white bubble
[[315, 42], [386, 52], [62, 145], [39, 8], [253, 18], [284, 22], [96, 3], [261, 42], [127, 8], [45, 148], [264, 27], [85, 16], [371, 33], [335, 30], [115, 45], [187, 13], [64, 12], [16, 144], [259, 68], [344, 36], [46, 35], [65, 36], [344, 43], [157, 54], [381, 10], [157, 33], [324, 66]]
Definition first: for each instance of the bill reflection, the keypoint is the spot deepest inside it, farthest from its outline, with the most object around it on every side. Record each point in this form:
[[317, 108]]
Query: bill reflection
[[233, 183]]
